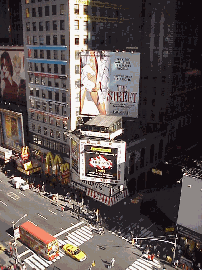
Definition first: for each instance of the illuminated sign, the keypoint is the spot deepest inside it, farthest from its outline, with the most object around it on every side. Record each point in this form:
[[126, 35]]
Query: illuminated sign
[[102, 161], [155, 171]]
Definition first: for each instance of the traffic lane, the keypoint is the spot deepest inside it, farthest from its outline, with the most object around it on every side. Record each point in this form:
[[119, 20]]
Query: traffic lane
[[115, 247], [5, 226]]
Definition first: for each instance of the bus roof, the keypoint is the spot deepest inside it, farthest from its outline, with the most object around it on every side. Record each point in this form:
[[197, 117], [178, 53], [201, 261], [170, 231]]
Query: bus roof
[[37, 232]]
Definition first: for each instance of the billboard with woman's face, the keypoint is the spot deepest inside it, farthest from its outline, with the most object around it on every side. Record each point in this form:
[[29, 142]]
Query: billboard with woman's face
[[13, 85]]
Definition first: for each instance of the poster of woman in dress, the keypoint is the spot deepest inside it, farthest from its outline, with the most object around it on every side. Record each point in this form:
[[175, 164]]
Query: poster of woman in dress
[[13, 86]]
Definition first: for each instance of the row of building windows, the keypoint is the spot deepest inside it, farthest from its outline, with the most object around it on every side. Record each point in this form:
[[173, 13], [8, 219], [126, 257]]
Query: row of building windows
[[46, 40], [50, 132], [49, 120], [77, 9], [50, 68], [47, 54], [48, 106], [50, 144], [60, 96], [38, 12], [46, 26], [47, 81]]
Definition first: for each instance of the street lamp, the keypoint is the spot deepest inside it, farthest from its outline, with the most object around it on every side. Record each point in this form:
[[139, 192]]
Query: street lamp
[[14, 223]]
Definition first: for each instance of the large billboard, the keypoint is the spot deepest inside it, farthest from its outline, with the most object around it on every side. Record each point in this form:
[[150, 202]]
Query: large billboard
[[12, 81], [110, 83], [102, 161], [12, 126]]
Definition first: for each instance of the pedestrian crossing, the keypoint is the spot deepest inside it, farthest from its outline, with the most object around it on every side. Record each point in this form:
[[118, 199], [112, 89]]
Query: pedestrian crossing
[[77, 237], [39, 263], [143, 264]]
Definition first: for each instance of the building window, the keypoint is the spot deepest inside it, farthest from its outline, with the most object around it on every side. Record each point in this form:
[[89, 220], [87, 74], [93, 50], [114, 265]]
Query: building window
[[63, 84], [57, 109], [56, 83], [64, 111], [54, 11], [49, 68], [27, 13], [63, 69], [62, 9], [33, 12], [77, 55], [77, 83], [29, 66], [31, 92], [43, 81], [85, 10], [94, 26], [55, 54], [85, 25], [64, 97], [47, 40], [28, 40], [55, 40], [50, 84], [48, 54], [57, 122], [62, 39], [43, 93], [34, 40], [76, 9], [85, 40], [56, 96], [39, 129], [44, 105], [31, 78], [77, 41], [36, 67], [41, 40], [77, 69], [55, 25], [36, 79], [40, 26], [58, 135], [42, 67], [47, 26], [49, 94], [46, 10], [35, 54], [50, 103], [76, 25], [38, 104], [65, 124], [142, 157], [55, 68], [94, 10], [65, 136], [45, 131], [62, 25], [62, 55], [40, 11], [34, 26], [33, 127], [51, 133], [28, 26], [32, 115], [152, 153]]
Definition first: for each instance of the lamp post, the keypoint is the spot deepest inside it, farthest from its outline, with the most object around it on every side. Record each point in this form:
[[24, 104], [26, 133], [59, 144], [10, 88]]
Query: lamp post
[[14, 223]]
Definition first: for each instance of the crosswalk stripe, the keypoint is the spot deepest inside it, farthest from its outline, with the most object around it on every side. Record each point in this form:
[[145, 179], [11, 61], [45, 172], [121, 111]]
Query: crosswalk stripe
[[131, 267], [61, 243], [79, 238], [84, 231], [30, 264], [142, 266], [85, 228], [40, 260], [36, 263], [86, 237], [71, 243], [61, 254], [74, 240]]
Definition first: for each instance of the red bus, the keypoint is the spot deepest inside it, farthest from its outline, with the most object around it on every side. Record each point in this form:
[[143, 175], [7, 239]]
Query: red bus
[[39, 240]]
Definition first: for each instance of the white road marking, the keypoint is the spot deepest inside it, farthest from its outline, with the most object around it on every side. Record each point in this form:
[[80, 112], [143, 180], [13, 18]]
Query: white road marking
[[22, 193], [36, 263], [4, 203], [41, 216], [68, 229], [22, 254], [40, 260], [13, 196], [52, 212], [144, 264]]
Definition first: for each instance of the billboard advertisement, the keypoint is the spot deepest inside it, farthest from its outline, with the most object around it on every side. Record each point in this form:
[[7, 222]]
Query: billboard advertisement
[[12, 125], [12, 81], [102, 161], [110, 83]]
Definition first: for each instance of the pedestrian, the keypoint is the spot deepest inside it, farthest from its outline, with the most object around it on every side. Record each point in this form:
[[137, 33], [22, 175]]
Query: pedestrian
[[158, 254], [112, 262], [149, 257], [152, 257], [11, 251], [176, 262], [24, 267]]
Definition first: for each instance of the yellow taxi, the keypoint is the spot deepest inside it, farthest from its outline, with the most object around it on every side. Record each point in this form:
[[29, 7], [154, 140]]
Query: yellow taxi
[[74, 252]]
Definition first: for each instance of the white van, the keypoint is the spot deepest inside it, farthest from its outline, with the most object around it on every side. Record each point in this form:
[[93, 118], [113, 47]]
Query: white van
[[18, 182]]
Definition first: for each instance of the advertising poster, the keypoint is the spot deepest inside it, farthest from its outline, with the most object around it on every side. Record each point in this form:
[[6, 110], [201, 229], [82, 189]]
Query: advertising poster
[[102, 161], [110, 83], [12, 130], [75, 155], [13, 85]]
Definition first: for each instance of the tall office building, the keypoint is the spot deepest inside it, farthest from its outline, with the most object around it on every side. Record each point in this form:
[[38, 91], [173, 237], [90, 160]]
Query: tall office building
[[55, 32]]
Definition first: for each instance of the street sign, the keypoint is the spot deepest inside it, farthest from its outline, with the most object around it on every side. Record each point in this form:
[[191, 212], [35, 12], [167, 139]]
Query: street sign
[[17, 233]]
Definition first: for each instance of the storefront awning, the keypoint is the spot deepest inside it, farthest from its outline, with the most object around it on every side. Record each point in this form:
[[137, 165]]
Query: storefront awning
[[190, 209]]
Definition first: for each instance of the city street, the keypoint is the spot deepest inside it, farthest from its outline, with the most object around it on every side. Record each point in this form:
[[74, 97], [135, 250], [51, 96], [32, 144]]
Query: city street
[[115, 243]]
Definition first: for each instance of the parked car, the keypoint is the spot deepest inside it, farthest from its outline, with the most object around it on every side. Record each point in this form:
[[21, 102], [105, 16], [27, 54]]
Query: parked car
[[74, 252], [24, 186]]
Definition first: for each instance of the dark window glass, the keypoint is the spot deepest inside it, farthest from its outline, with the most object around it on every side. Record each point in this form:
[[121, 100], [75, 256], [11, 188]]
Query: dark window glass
[[36, 67], [47, 40], [33, 12], [55, 68], [41, 53], [54, 11], [42, 67], [56, 96], [34, 26], [54, 25], [64, 97], [63, 69], [49, 68], [55, 54], [62, 25], [76, 9], [62, 55], [49, 83], [40, 26], [62, 39], [76, 41], [37, 92], [28, 26], [85, 9], [35, 54], [48, 54], [63, 82], [85, 40], [94, 10], [40, 11], [55, 40], [76, 55], [56, 84], [46, 10], [41, 40], [47, 26], [34, 40]]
